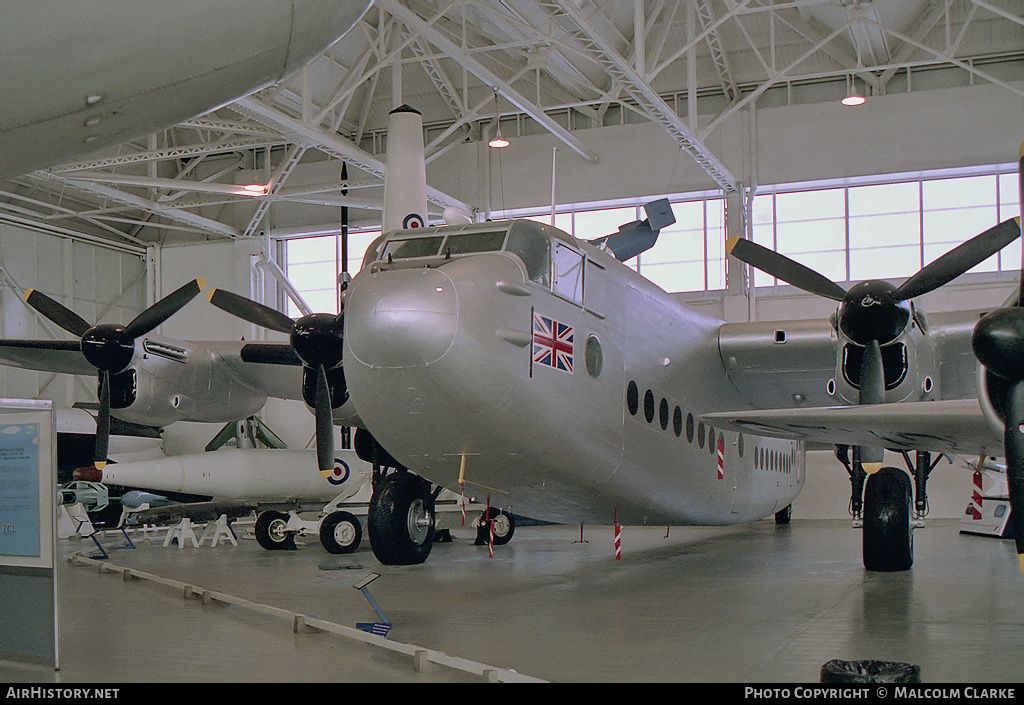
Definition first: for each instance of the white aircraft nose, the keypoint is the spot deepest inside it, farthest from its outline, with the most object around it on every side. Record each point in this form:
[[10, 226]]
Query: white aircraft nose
[[316, 24], [401, 318]]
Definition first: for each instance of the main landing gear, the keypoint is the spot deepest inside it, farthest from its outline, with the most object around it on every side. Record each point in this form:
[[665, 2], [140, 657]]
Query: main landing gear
[[400, 522], [884, 507]]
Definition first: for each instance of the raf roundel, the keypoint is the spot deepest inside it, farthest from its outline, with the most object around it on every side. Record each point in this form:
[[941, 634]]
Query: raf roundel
[[413, 220], [339, 474]]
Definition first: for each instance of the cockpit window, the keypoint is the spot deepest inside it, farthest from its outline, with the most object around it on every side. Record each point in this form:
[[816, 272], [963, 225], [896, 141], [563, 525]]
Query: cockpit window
[[412, 247], [468, 243], [533, 246]]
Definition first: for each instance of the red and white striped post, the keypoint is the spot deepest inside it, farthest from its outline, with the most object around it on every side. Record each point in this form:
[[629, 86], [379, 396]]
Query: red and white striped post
[[618, 537], [490, 530]]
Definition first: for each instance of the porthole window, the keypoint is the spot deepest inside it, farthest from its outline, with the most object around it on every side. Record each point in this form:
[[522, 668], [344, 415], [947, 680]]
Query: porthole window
[[663, 413], [649, 406], [632, 398], [689, 428], [677, 421], [739, 444], [700, 434], [592, 356], [711, 440]]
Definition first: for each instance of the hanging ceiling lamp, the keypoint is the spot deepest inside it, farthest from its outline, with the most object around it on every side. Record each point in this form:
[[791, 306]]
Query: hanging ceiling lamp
[[853, 96], [497, 141]]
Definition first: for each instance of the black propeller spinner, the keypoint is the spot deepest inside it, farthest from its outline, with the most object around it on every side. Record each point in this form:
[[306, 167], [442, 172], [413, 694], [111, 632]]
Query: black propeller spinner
[[998, 343], [110, 347], [318, 340], [874, 312]]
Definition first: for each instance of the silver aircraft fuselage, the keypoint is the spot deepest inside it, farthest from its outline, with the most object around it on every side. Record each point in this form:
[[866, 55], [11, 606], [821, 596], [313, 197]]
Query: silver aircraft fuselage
[[551, 376]]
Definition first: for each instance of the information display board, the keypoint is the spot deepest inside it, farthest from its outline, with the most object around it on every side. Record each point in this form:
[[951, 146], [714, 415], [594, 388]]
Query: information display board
[[28, 518]]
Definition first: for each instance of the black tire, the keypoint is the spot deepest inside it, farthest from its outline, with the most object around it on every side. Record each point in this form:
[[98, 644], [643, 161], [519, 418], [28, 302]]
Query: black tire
[[400, 523], [270, 532], [784, 516], [504, 527], [340, 532], [888, 534]]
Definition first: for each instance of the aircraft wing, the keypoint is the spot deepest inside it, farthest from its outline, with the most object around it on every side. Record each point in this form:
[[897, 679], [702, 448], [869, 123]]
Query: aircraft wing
[[46, 356], [948, 426], [273, 368]]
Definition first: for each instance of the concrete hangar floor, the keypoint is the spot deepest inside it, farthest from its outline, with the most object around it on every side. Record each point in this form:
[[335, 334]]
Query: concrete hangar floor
[[757, 603]]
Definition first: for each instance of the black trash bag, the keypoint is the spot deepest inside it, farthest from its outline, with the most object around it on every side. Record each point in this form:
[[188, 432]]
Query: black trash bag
[[837, 671]]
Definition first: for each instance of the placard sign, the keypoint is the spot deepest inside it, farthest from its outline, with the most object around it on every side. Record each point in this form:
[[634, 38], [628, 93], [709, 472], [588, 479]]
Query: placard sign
[[19, 489], [28, 487]]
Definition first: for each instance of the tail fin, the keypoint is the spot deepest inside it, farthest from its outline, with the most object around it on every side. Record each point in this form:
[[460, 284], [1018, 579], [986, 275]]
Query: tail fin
[[640, 235], [405, 172]]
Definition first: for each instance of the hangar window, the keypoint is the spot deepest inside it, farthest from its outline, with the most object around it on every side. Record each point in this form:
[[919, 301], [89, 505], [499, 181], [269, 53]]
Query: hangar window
[[835, 231]]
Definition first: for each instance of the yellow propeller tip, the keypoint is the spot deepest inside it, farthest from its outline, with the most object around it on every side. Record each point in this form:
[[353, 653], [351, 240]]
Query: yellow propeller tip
[[201, 282], [209, 294], [99, 465], [28, 293], [731, 243], [1020, 559], [871, 468], [1020, 152]]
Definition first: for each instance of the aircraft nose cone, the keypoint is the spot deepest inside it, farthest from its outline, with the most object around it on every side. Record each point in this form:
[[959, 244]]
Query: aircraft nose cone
[[316, 24], [401, 318]]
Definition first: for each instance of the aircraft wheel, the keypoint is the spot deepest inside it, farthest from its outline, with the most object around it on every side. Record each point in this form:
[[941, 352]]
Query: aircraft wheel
[[888, 533], [504, 527], [401, 520], [784, 516], [340, 532], [272, 532]]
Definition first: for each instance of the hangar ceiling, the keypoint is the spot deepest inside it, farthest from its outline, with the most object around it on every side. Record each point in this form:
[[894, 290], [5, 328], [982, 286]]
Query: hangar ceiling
[[556, 66]]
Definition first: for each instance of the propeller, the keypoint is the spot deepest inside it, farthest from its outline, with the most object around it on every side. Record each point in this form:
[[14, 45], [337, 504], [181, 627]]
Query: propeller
[[318, 340], [873, 313], [998, 343], [110, 347]]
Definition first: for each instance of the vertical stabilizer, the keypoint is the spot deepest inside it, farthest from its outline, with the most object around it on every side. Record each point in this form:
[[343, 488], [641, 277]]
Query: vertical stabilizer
[[405, 171]]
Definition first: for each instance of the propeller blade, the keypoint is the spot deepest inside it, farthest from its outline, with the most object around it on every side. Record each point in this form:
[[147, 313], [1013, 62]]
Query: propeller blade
[[958, 260], [103, 422], [324, 422], [872, 375], [249, 310], [163, 309], [1020, 219], [872, 391], [57, 312], [782, 267], [1013, 441]]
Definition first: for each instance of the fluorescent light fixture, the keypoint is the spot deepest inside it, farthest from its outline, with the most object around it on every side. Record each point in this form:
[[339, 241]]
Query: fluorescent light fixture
[[255, 189]]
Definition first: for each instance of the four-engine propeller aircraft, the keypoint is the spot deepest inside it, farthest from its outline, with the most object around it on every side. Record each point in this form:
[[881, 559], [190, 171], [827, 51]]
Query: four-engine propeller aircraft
[[515, 359], [539, 368]]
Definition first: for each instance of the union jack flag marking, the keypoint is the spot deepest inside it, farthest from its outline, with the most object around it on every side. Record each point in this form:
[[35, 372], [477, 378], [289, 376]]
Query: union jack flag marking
[[552, 343]]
